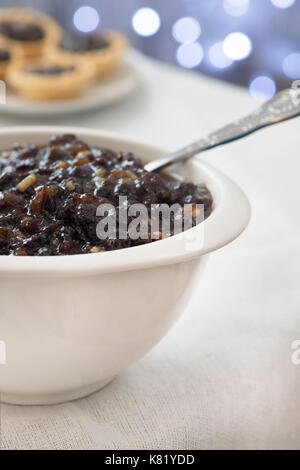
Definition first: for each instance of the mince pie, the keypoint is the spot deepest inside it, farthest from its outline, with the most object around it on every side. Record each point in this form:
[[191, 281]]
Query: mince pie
[[50, 80], [102, 50], [32, 32]]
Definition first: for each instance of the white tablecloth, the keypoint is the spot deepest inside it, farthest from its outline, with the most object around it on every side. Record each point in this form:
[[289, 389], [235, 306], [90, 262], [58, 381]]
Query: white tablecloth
[[223, 378]]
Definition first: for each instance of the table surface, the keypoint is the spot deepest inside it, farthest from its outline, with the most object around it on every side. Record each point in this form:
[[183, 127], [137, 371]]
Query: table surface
[[223, 378]]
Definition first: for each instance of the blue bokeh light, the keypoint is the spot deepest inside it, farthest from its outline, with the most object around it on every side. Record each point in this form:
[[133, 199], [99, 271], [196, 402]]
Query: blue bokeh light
[[237, 46], [190, 55], [291, 66], [262, 88], [218, 58], [236, 7], [86, 19], [146, 22], [283, 3], [186, 30]]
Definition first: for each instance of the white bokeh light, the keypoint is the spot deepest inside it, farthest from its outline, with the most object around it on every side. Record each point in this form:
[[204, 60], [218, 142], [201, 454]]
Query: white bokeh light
[[218, 58], [86, 19], [146, 22], [190, 55], [291, 65], [283, 3], [262, 88], [237, 46], [186, 30], [236, 7]]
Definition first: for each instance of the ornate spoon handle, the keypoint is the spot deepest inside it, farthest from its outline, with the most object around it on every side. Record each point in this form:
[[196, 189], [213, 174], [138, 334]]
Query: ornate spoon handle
[[285, 105]]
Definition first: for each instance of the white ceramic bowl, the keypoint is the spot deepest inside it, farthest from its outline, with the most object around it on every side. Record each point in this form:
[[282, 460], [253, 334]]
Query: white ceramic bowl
[[71, 324]]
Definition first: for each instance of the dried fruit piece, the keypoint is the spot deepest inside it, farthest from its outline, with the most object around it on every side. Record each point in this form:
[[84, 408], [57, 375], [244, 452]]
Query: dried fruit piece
[[95, 249], [27, 182], [100, 172], [62, 165], [70, 186], [131, 175], [39, 200]]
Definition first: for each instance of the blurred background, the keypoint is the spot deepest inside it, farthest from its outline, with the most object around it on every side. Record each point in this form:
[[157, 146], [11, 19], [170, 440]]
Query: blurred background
[[253, 43]]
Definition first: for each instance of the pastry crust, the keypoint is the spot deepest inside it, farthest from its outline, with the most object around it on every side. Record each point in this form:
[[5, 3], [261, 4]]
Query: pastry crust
[[104, 60], [51, 29], [53, 87], [4, 65]]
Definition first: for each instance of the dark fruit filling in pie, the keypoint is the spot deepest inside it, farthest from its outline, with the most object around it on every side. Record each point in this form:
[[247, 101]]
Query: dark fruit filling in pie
[[78, 43], [21, 31], [4, 55], [49, 71], [49, 197]]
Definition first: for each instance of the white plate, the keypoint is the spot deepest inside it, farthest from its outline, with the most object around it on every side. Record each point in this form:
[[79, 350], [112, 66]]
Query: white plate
[[104, 93]]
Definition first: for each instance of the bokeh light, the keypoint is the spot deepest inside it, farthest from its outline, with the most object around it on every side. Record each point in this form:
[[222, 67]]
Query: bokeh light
[[291, 65], [190, 55], [283, 3], [86, 19], [262, 88], [146, 22], [237, 46], [218, 58], [236, 7], [186, 30], [216, 41]]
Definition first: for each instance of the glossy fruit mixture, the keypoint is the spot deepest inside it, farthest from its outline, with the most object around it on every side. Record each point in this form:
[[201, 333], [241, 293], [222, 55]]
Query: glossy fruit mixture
[[80, 43], [49, 196], [4, 55], [53, 70], [21, 31]]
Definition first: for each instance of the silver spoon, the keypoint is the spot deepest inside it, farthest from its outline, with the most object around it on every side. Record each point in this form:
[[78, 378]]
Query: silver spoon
[[285, 105]]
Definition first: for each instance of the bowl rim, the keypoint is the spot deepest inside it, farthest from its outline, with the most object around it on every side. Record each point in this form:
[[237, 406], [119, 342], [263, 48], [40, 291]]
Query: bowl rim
[[228, 220]]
